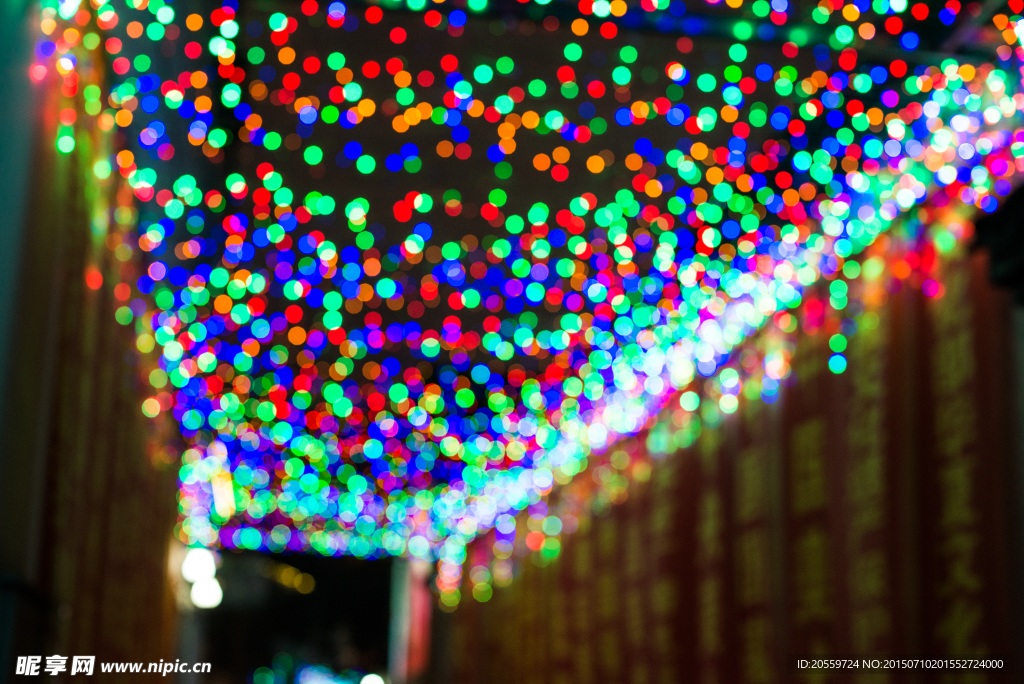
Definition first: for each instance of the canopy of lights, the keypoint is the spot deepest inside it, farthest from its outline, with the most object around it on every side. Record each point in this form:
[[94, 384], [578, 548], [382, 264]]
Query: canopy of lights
[[397, 271]]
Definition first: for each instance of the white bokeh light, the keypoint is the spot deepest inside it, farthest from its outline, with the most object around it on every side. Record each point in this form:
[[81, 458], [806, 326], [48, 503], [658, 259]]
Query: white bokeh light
[[206, 593], [199, 564]]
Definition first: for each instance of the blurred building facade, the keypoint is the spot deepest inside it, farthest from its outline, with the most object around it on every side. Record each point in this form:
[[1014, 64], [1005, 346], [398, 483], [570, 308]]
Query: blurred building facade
[[871, 513], [87, 506]]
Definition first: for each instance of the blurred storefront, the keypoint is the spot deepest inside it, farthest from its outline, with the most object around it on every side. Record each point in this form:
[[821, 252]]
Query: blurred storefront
[[869, 513]]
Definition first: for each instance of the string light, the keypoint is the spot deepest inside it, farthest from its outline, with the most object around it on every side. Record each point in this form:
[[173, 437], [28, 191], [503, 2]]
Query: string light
[[367, 377]]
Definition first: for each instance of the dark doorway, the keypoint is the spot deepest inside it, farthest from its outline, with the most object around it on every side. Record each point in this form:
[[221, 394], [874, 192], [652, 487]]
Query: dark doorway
[[274, 616]]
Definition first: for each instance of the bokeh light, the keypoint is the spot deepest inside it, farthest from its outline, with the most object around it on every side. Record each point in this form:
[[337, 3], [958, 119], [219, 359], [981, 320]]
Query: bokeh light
[[432, 288]]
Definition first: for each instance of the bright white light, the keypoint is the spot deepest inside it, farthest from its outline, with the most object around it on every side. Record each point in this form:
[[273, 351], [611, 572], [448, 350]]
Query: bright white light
[[371, 679], [199, 564], [206, 593]]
